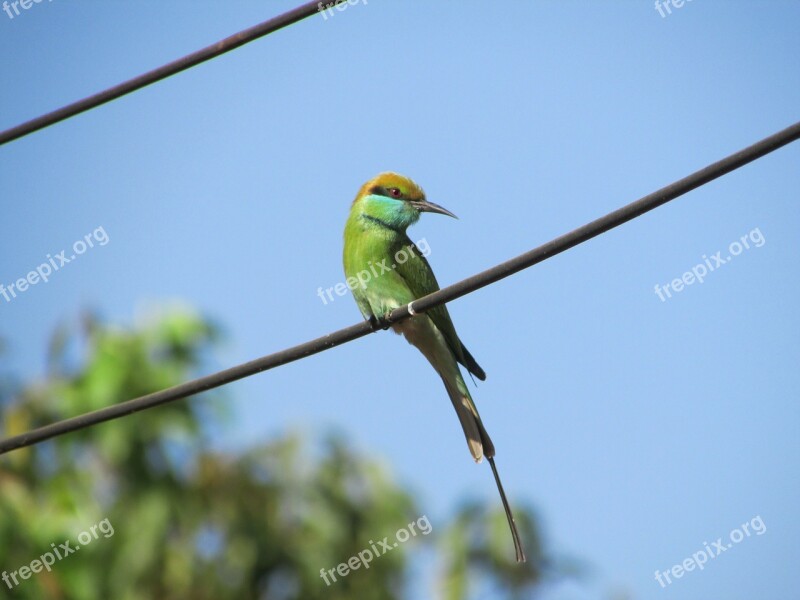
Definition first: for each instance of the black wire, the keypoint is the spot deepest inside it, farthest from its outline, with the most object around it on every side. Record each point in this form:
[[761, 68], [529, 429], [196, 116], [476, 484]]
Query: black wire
[[523, 261], [176, 66], [609, 221]]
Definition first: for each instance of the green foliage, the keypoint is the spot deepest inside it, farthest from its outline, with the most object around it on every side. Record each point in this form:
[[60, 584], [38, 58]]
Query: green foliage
[[185, 520]]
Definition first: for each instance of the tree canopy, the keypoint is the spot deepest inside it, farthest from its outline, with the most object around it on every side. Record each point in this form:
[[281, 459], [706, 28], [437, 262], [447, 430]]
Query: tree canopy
[[158, 512]]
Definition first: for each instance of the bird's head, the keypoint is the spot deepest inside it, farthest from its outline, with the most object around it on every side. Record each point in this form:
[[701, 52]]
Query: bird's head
[[396, 200]]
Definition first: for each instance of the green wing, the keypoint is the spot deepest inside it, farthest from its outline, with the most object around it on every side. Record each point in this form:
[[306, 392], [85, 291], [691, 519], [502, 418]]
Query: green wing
[[420, 279]]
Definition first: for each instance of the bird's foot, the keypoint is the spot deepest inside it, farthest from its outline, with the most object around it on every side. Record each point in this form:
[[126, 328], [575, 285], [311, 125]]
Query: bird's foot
[[383, 322], [386, 320]]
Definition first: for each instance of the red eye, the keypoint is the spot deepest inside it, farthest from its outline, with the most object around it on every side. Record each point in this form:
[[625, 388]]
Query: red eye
[[395, 192]]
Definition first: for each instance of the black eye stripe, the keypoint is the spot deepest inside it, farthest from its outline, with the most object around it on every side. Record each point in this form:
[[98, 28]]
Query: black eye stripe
[[382, 191], [378, 191]]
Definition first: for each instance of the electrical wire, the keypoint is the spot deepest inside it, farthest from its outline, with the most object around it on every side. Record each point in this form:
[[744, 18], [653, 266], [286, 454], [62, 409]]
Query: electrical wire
[[466, 286], [190, 60]]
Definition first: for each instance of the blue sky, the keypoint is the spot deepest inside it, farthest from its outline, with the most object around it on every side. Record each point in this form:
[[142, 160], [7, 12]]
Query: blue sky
[[638, 428]]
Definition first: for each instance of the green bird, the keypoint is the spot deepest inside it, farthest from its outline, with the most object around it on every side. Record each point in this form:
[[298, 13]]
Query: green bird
[[386, 270]]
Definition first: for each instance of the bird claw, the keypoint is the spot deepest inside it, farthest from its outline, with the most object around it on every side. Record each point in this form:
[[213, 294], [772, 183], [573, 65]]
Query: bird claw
[[386, 320], [383, 322]]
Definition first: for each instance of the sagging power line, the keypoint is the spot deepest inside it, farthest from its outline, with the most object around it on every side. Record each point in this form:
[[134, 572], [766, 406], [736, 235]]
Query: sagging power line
[[190, 60], [466, 286]]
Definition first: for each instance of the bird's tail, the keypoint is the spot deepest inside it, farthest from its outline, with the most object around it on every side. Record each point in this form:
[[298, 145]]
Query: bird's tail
[[480, 445], [478, 440]]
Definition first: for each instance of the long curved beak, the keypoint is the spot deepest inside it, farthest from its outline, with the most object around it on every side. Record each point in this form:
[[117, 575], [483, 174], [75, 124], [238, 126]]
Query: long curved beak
[[425, 206]]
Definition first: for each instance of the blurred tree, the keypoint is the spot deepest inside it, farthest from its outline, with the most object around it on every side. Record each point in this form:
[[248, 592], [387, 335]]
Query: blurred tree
[[187, 521]]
